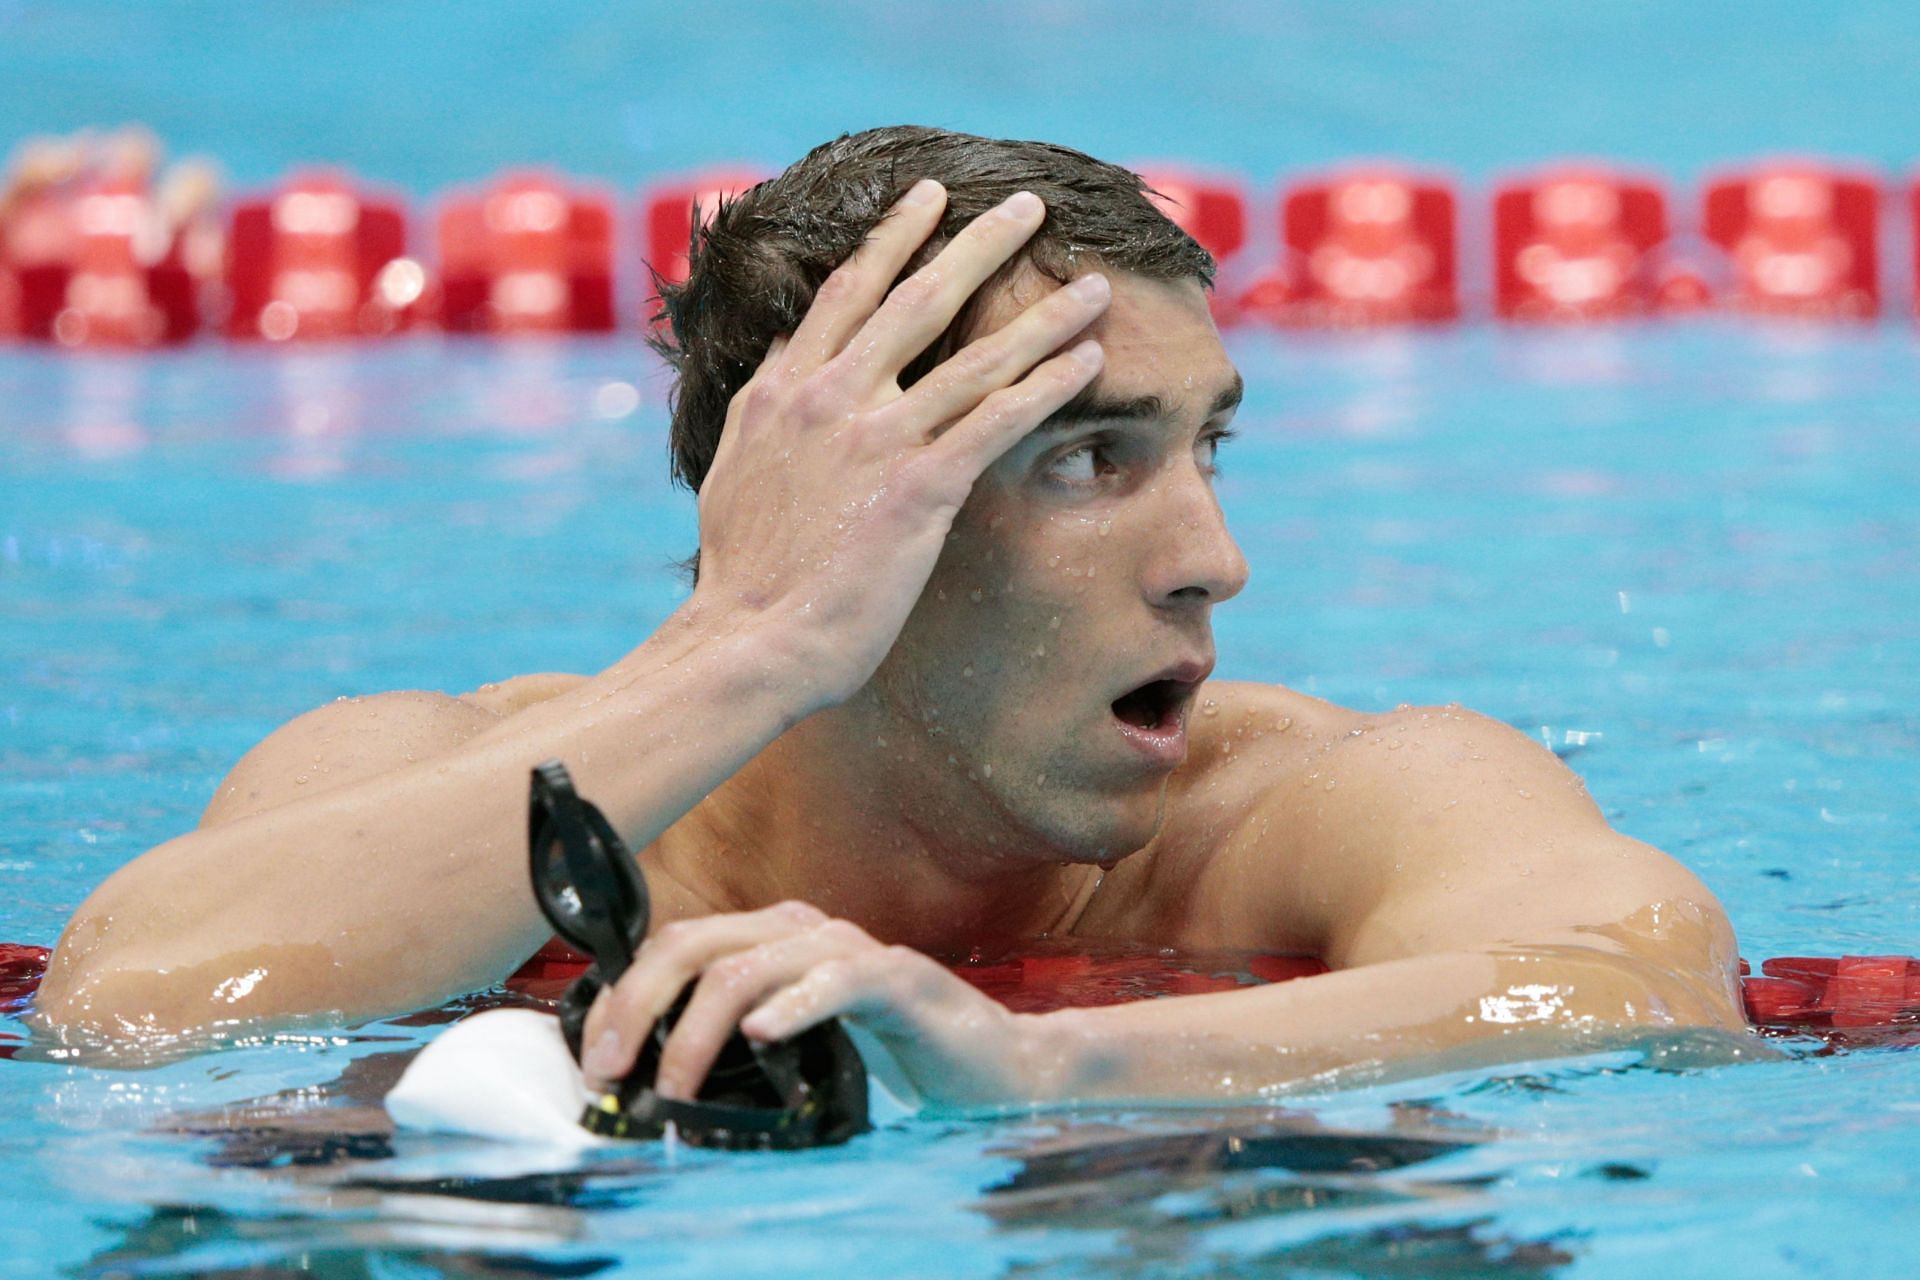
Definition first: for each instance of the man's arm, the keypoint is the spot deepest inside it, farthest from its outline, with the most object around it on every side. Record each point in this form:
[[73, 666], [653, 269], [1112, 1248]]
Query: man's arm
[[301, 894], [830, 498], [1470, 897]]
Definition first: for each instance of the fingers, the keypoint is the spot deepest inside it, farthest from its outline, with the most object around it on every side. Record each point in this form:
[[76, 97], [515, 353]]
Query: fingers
[[733, 986], [921, 307], [992, 362], [623, 1014], [848, 297], [972, 444]]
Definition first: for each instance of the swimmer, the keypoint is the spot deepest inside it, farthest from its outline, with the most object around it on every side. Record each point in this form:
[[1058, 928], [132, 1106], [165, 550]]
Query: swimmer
[[953, 409]]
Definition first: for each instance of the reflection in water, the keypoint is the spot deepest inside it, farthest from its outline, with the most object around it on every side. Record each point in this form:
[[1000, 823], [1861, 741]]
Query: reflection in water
[[1232, 1191], [320, 412], [106, 397]]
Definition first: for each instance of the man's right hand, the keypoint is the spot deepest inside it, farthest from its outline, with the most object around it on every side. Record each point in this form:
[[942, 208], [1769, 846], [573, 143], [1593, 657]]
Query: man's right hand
[[832, 491]]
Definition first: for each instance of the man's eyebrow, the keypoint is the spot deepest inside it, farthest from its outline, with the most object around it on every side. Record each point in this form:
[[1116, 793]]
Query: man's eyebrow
[[1092, 406], [1229, 397]]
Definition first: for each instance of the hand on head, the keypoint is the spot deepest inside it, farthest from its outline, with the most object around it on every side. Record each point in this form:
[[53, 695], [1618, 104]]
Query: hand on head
[[833, 490]]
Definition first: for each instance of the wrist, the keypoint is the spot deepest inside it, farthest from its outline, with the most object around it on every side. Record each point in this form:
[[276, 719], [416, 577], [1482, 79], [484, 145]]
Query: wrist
[[780, 648], [1066, 1056]]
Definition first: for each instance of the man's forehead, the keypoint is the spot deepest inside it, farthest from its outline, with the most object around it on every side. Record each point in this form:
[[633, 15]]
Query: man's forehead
[[1158, 337]]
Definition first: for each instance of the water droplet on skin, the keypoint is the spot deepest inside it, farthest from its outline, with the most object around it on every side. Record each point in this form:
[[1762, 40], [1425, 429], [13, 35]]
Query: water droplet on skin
[[1106, 527], [1449, 804], [951, 760], [1040, 651], [300, 780], [976, 596], [879, 742], [1040, 781], [967, 672], [1285, 723], [1525, 794], [1209, 708], [986, 771], [1330, 784], [1053, 623], [1393, 744]]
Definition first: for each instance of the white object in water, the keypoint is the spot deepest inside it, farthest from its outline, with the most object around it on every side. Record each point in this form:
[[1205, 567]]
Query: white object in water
[[508, 1074], [505, 1073]]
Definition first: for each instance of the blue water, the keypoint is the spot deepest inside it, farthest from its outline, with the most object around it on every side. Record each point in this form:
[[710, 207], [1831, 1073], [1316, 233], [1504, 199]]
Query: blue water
[[1686, 557]]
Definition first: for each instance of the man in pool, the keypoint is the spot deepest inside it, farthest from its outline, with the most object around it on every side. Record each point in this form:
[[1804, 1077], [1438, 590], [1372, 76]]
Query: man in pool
[[951, 407]]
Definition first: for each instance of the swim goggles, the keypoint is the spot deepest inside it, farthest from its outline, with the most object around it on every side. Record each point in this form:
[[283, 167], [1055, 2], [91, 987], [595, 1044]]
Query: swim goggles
[[808, 1091]]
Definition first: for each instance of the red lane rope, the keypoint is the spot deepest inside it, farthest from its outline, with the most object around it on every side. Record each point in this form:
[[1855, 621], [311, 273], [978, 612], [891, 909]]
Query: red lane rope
[[97, 259], [1847, 1000]]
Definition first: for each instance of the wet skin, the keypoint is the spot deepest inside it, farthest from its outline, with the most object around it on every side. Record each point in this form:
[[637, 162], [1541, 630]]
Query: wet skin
[[973, 772]]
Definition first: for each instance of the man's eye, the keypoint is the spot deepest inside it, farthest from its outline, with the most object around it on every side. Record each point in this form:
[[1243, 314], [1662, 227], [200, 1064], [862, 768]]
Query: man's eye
[[1077, 466], [1207, 449]]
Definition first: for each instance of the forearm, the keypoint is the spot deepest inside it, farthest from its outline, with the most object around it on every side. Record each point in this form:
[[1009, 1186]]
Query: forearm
[[411, 886], [1383, 1019]]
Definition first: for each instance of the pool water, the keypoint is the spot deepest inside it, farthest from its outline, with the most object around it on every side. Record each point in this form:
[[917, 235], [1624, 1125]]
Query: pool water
[[1687, 558]]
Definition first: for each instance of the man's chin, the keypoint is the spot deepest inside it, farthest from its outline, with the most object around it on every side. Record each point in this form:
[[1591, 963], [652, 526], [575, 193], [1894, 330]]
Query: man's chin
[[1105, 831]]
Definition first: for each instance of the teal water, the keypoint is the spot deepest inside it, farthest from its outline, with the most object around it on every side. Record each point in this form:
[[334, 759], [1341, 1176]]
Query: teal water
[[1687, 557]]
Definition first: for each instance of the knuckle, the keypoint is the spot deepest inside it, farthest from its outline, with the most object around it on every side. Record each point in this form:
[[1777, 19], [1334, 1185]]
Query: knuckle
[[842, 286], [845, 933], [976, 362], [736, 968], [800, 912], [998, 409], [919, 290], [819, 397], [674, 938]]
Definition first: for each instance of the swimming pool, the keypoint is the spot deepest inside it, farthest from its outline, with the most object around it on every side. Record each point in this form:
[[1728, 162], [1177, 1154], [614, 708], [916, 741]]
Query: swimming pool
[[1687, 558]]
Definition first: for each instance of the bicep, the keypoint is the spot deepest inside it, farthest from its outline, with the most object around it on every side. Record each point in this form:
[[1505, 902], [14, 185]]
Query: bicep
[[350, 740], [1459, 832]]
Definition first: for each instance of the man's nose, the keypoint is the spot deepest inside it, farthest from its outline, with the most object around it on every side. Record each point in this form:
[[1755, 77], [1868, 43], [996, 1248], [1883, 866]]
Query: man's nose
[[1194, 559]]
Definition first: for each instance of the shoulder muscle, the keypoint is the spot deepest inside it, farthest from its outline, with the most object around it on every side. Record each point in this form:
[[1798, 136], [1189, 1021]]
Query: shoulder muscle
[[349, 740]]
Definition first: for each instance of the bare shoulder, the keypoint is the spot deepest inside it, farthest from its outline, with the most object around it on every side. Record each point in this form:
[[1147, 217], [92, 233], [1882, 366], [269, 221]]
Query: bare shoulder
[[353, 739], [1244, 738], [1364, 834], [1247, 744]]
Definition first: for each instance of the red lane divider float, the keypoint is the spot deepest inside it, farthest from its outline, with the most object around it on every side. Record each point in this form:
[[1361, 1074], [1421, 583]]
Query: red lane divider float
[[94, 263], [1802, 240], [99, 268], [528, 255], [1847, 1000], [1366, 247], [1577, 244], [320, 259]]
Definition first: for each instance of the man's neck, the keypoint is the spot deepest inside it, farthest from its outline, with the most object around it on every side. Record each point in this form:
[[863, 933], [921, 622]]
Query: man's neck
[[810, 818]]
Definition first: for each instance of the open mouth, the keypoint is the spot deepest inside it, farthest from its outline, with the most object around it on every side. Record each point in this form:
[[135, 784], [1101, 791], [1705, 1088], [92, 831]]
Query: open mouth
[[1155, 705]]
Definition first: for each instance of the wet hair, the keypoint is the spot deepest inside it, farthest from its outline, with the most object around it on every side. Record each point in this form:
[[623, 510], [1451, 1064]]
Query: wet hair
[[755, 265]]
